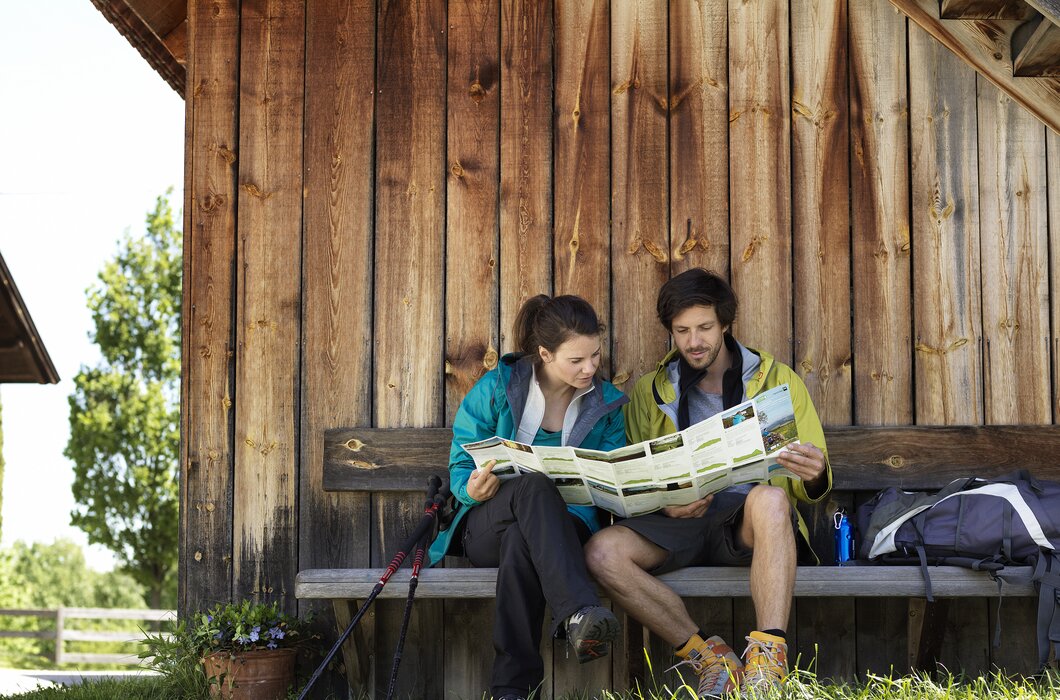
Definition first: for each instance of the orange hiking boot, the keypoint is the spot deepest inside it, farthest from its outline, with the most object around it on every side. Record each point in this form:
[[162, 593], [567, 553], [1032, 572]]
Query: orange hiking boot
[[767, 665], [715, 664]]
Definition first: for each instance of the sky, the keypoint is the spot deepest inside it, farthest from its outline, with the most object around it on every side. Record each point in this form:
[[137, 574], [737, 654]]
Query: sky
[[90, 135]]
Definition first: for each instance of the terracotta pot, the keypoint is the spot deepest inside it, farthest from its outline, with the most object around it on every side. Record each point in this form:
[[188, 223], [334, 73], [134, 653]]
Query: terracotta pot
[[263, 674]]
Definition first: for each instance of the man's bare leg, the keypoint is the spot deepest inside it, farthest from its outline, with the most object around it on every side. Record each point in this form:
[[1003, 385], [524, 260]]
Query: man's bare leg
[[766, 529], [619, 559]]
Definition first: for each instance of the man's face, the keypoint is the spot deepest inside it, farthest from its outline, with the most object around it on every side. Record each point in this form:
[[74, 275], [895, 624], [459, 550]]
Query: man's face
[[698, 335]]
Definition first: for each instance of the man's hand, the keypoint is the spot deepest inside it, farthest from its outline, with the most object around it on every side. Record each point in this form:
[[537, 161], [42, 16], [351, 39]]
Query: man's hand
[[483, 485], [693, 510], [805, 461]]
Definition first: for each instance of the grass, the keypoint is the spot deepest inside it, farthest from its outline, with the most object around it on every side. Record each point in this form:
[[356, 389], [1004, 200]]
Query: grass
[[801, 685]]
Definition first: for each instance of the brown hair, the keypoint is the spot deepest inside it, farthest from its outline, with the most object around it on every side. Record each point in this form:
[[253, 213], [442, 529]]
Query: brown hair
[[696, 287], [548, 322]]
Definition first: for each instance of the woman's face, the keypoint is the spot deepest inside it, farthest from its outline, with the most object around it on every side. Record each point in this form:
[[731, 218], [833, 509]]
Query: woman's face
[[575, 361]]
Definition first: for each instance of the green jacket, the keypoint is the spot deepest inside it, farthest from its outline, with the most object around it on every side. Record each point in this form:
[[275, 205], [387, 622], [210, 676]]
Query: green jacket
[[647, 418], [494, 406]]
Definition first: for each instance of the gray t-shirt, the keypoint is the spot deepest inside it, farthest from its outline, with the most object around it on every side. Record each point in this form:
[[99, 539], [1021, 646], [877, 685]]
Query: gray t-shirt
[[702, 405]]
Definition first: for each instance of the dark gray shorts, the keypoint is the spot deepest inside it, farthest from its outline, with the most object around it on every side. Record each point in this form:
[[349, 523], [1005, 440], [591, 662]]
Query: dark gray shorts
[[709, 540]]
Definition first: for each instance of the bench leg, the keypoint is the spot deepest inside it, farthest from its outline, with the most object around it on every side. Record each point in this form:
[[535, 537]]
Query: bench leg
[[358, 651], [927, 624]]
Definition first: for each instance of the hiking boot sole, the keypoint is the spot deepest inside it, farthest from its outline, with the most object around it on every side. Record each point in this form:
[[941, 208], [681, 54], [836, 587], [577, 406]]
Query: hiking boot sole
[[595, 641]]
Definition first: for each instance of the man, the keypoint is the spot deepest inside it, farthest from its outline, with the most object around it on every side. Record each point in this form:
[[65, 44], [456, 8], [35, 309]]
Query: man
[[706, 372]]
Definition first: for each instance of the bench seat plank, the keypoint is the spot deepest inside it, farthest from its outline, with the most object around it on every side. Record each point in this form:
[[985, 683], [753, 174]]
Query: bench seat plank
[[692, 582]]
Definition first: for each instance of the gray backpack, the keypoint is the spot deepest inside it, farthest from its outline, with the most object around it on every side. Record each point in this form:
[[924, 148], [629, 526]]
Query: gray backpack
[[982, 524]]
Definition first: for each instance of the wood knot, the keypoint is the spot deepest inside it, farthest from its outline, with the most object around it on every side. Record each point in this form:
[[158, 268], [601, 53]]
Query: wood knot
[[895, 461], [620, 378], [457, 170], [476, 92], [353, 445]]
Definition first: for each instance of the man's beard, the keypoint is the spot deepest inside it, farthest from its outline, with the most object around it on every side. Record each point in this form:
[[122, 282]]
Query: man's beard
[[703, 363]]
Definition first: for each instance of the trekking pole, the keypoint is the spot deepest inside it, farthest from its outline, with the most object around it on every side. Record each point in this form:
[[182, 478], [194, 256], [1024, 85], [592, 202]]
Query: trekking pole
[[437, 494], [414, 581]]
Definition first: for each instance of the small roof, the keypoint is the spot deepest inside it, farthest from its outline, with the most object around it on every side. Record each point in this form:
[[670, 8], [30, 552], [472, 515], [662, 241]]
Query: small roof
[[23, 357], [158, 29]]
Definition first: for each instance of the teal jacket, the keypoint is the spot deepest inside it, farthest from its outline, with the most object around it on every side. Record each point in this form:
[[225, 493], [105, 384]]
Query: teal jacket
[[494, 406]]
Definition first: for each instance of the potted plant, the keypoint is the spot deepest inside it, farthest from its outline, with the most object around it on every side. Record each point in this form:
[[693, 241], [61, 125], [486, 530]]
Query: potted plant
[[240, 650]]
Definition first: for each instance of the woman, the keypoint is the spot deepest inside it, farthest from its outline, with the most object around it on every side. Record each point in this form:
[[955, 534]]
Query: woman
[[545, 394]]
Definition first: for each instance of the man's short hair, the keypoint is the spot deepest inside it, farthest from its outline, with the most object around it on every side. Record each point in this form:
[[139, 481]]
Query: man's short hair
[[696, 287]]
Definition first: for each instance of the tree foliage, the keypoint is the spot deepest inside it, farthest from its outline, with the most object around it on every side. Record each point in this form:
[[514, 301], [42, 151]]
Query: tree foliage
[[48, 576], [124, 412]]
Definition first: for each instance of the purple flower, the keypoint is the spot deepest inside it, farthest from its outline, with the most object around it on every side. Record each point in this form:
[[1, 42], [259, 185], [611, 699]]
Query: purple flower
[[271, 645], [254, 636], [276, 632]]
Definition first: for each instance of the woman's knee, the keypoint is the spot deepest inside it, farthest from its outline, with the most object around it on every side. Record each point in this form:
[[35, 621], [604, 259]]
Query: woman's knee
[[536, 481]]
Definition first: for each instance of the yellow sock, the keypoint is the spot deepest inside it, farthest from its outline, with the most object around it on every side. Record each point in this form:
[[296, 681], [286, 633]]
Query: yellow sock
[[764, 637]]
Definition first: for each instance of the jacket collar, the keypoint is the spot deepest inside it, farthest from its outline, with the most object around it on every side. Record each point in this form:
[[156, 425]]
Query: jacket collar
[[589, 406], [756, 365]]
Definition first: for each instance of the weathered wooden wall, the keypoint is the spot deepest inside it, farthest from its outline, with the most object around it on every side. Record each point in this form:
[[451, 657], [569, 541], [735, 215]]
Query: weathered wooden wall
[[375, 186]]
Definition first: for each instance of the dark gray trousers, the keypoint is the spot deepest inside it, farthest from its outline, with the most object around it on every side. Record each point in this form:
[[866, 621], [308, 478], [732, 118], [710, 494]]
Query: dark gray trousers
[[527, 532]]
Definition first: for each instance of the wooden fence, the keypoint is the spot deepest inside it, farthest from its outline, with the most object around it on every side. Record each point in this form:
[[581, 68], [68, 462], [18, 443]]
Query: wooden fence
[[63, 633]]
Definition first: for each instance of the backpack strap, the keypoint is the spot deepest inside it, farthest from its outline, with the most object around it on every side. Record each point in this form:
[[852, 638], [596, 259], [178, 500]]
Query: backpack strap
[[924, 571]]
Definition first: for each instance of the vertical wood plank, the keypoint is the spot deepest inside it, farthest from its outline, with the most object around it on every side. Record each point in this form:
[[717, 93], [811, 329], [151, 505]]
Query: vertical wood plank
[[946, 267], [882, 319], [468, 648], [1052, 160], [760, 173], [699, 138], [410, 211], [268, 298], [825, 628], [582, 123], [209, 248], [526, 157], [409, 289], [967, 637], [879, 157], [472, 229], [336, 386], [1018, 652], [471, 244], [640, 183], [1015, 251], [821, 204]]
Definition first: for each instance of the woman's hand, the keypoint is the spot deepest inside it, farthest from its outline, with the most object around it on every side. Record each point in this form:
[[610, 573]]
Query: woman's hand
[[483, 485]]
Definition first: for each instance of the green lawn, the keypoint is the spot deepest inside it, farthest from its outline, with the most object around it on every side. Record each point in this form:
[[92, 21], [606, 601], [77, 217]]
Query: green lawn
[[801, 686]]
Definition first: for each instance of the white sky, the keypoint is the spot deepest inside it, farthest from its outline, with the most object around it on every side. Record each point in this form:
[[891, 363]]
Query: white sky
[[89, 136]]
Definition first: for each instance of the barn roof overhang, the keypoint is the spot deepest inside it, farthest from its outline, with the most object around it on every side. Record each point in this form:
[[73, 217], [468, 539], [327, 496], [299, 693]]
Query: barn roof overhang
[[23, 357], [158, 29]]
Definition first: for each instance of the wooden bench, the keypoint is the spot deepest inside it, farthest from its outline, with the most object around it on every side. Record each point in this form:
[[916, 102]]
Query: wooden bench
[[863, 460]]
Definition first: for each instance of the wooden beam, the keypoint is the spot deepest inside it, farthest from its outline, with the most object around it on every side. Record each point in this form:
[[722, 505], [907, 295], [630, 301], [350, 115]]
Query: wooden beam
[[985, 9], [1040, 56], [177, 42], [1050, 9], [144, 39], [985, 45], [402, 459]]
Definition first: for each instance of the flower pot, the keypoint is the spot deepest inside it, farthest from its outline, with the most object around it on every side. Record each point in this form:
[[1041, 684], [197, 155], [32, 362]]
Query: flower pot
[[261, 674]]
